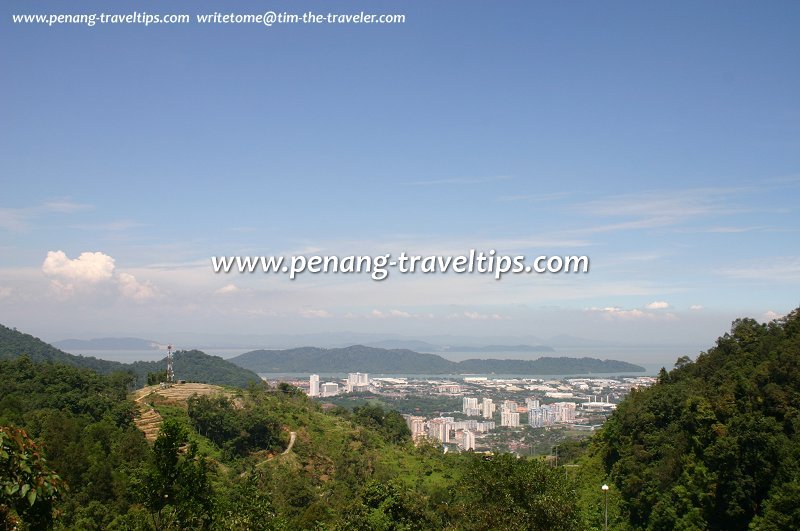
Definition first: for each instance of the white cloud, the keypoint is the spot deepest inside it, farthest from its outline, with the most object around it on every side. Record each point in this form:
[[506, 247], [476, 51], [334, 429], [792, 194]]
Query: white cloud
[[135, 290], [769, 269], [771, 316], [5, 292], [88, 267], [112, 226], [227, 289], [475, 316], [535, 198], [459, 181], [13, 219], [63, 206], [660, 208], [696, 307], [616, 313], [315, 314], [657, 305], [399, 314], [19, 219], [68, 275]]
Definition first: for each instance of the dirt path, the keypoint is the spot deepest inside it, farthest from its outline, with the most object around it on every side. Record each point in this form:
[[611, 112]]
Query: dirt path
[[292, 438]]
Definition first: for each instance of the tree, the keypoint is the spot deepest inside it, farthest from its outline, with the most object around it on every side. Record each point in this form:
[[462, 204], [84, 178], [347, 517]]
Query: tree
[[390, 424], [29, 489], [506, 492], [175, 488]]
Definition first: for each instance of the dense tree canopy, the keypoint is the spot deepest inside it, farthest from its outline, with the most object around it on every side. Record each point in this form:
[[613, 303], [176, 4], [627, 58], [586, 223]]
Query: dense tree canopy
[[716, 443]]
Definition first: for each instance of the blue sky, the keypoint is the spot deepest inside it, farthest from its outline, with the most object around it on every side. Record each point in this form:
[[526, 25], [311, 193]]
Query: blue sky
[[663, 141]]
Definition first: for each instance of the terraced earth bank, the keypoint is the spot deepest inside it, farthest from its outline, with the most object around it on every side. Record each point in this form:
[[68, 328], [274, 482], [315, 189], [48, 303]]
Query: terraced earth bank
[[149, 420]]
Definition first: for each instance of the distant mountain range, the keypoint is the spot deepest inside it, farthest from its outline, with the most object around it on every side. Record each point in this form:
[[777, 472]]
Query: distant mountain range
[[107, 343], [403, 361], [430, 344], [191, 365]]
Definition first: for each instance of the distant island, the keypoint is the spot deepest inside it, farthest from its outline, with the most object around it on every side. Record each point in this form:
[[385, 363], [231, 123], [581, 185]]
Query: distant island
[[402, 361], [424, 346], [503, 348], [107, 343]]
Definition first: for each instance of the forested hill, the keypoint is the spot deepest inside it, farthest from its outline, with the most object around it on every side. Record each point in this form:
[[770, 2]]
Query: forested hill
[[189, 365], [402, 361], [197, 366], [716, 443], [14, 343], [355, 358]]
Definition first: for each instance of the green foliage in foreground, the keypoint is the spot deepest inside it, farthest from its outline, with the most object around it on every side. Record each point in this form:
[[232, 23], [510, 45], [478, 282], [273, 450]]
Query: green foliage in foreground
[[219, 463], [716, 443], [175, 486], [28, 487]]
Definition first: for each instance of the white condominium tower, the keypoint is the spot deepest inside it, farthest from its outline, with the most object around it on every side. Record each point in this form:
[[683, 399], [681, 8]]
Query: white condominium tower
[[313, 385]]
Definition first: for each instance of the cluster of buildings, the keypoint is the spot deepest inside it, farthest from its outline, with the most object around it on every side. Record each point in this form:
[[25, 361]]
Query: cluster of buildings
[[356, 382], [538, 415], [448, 430], [491, 403], [463, 432]]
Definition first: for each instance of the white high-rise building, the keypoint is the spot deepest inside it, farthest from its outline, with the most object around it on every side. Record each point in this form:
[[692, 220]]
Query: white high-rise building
[[564, 411], [330, 389], [357, 382], [439, 429], [535, 417], [542, 416], [509, 418], [488, 408], [468, 440], [416, 424], [532, 403], [470, 407], [313, 385], [484, 427]]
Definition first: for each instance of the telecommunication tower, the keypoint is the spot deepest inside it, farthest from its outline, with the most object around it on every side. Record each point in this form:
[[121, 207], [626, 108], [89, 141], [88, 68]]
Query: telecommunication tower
[[170, 372]]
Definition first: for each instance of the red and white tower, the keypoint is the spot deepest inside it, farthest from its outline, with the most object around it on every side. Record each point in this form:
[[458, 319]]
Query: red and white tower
[[170, 372]]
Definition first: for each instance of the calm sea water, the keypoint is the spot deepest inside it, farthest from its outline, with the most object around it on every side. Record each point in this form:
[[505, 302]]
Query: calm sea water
[[129, 356]]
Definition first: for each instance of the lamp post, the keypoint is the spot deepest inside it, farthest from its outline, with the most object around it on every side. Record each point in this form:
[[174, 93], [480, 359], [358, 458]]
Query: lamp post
[[605, 491]]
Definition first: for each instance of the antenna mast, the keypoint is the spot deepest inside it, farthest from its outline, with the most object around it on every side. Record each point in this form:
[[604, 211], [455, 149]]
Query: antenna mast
[[170, 372]]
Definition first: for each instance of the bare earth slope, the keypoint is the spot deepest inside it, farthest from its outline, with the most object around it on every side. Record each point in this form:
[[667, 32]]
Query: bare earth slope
[[148, 420]]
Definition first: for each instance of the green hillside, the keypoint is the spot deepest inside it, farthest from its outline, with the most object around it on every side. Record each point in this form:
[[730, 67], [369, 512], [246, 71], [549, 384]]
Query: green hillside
[[347, 359], [228, 462], [14, 343], [716, 443], [402, 361], [197, 366], [191, 365]]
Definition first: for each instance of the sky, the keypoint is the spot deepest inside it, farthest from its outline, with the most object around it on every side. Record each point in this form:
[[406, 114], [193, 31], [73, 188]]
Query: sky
[[661, 140]]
